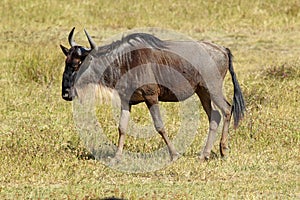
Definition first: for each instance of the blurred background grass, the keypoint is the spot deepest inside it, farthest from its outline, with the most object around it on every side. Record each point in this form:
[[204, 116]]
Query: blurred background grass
[[39, 145]]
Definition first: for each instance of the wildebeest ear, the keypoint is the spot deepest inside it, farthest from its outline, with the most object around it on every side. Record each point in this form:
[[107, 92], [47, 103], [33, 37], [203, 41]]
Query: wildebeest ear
[[65, 50]]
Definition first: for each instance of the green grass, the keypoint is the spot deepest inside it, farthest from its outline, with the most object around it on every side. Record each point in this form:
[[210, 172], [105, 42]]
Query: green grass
[[41, 155]]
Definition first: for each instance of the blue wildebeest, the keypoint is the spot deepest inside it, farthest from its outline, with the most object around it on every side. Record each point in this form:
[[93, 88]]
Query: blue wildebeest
[[143, 68]]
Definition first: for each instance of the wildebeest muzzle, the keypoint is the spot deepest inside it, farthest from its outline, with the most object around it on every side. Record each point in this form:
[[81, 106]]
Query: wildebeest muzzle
[[68, 90]]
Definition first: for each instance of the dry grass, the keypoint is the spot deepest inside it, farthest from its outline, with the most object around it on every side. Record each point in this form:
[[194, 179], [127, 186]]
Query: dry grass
[[40, 151]]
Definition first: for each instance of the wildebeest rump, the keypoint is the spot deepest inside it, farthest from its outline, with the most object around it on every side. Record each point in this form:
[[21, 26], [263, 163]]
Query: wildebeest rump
[[143, 68]]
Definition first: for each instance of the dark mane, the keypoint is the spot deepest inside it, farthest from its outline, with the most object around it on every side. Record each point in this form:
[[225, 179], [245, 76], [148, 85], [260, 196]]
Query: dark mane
[[144, 38], [133, 40]]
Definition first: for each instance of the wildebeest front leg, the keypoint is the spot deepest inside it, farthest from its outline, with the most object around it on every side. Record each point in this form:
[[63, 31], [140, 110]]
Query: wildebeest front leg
[[124, 119], [159, 126]]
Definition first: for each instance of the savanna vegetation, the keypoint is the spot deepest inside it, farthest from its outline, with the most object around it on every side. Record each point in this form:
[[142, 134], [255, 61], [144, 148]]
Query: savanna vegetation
[[41, 155]]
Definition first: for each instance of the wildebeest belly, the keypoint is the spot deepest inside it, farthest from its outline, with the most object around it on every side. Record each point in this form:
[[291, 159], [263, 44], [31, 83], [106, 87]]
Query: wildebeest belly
[[166, 94]]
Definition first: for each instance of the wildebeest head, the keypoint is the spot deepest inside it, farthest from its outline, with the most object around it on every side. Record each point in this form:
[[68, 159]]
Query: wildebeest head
[[75, 56]]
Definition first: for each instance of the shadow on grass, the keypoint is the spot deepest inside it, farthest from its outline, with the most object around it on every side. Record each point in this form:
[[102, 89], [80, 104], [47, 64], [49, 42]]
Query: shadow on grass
[[108, 198]]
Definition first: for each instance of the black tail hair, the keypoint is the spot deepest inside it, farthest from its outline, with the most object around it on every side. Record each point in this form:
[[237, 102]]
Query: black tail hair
[[238, 106]]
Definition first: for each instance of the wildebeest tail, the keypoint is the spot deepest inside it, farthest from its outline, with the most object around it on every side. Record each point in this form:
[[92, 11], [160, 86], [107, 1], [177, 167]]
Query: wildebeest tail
[[238, 106]]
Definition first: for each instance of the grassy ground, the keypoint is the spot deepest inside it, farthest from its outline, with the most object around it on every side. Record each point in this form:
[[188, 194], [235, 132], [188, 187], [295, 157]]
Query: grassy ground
[[39, 145]]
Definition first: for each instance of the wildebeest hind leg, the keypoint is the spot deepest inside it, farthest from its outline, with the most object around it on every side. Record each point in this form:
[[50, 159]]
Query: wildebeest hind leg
[[214, 119], [225, 107]]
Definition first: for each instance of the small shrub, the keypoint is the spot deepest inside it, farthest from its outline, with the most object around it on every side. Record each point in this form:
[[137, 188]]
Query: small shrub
[[283, 71]]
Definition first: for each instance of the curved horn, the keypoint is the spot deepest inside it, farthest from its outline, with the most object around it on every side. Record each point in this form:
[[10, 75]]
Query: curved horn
[[71, 38], [92, 43]]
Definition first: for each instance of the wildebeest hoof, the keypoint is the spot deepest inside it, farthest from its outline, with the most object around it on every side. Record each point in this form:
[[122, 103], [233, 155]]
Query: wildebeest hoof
[[115, 160], [175, 157], [224, 151], [224, 158], [208, 156], [203, 158]]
